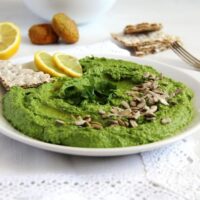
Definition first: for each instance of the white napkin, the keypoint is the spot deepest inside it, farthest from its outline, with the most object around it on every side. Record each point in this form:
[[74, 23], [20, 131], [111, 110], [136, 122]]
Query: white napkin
[[26, 173]]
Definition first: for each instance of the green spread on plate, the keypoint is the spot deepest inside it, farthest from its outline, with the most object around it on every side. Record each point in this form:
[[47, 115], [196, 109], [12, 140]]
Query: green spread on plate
[[115, 104]]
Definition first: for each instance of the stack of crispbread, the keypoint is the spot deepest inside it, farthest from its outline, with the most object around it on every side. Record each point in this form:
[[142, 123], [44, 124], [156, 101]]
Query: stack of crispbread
[[15, 75], [145, 38]]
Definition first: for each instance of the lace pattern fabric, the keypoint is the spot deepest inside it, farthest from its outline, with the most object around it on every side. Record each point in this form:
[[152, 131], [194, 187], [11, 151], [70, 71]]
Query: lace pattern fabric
[[170, 173]]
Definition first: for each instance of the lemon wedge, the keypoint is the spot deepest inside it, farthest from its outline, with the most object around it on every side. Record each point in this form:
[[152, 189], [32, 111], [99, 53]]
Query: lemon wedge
[[45, 62], [68, 64], [10, 38]]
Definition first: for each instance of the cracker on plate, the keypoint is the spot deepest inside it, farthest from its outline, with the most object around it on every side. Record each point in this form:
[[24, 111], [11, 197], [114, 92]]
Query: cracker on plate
[[15, 75], [145, 43], [142, 27], [134, 40]]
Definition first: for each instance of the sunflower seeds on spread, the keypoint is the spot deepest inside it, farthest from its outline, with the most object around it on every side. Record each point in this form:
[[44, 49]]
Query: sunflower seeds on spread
[[86, 121], [145, 99]]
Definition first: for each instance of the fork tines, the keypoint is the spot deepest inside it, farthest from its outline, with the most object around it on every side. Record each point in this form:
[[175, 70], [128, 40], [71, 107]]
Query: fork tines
[[185, 55]]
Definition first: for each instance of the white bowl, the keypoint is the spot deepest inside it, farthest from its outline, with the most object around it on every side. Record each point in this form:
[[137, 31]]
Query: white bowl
[[82, 11], [177, 74]]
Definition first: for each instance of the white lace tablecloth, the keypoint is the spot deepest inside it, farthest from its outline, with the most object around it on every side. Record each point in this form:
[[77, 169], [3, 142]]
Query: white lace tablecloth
[[169, 173]]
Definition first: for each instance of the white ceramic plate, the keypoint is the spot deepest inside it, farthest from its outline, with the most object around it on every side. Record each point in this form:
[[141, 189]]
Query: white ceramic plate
[[174, 73]]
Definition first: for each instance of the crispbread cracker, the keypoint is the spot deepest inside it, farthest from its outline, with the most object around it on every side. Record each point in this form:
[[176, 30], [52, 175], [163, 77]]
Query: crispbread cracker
[[145, 38], [15, 75], [135, 40], [149, 49], [142, 27], [148, 43]]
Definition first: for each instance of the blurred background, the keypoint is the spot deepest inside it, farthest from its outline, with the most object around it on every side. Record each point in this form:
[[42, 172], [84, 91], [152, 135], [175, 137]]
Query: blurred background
[[179, 17]]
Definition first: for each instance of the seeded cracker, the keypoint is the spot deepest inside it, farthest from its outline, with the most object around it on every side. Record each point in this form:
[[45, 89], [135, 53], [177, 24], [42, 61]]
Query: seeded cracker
[[15, 75], [143, 27], [145, 38]]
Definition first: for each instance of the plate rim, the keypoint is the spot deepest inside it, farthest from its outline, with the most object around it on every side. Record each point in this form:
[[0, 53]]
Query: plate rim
[[99, 152]]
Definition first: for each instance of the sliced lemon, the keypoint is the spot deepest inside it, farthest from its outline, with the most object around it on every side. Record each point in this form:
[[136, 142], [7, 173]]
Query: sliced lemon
[[44, 62], [68, 64], [10, 39]]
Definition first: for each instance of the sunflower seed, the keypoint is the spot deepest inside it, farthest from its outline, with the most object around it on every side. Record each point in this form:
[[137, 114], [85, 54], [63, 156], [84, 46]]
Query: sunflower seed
[[125, 113], [121, 123], [136, 115], [96, 125], [133, 123], [137, 99], [153, 108], [158, 91], [125, 104], [154, 96], [133, 103], [146, 108], [163, 101], [132, 93], [134, 109], [87, 118], [114, 110], [149, 114], [104, 116], [115, 122], [154, 85], [142, 104], [126, 124], [150, 118], [102, 112], [80, 122], [59, 122], [147, 84], [178, 91]]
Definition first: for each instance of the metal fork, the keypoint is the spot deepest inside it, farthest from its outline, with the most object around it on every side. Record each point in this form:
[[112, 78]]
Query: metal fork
[[185, 55]]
